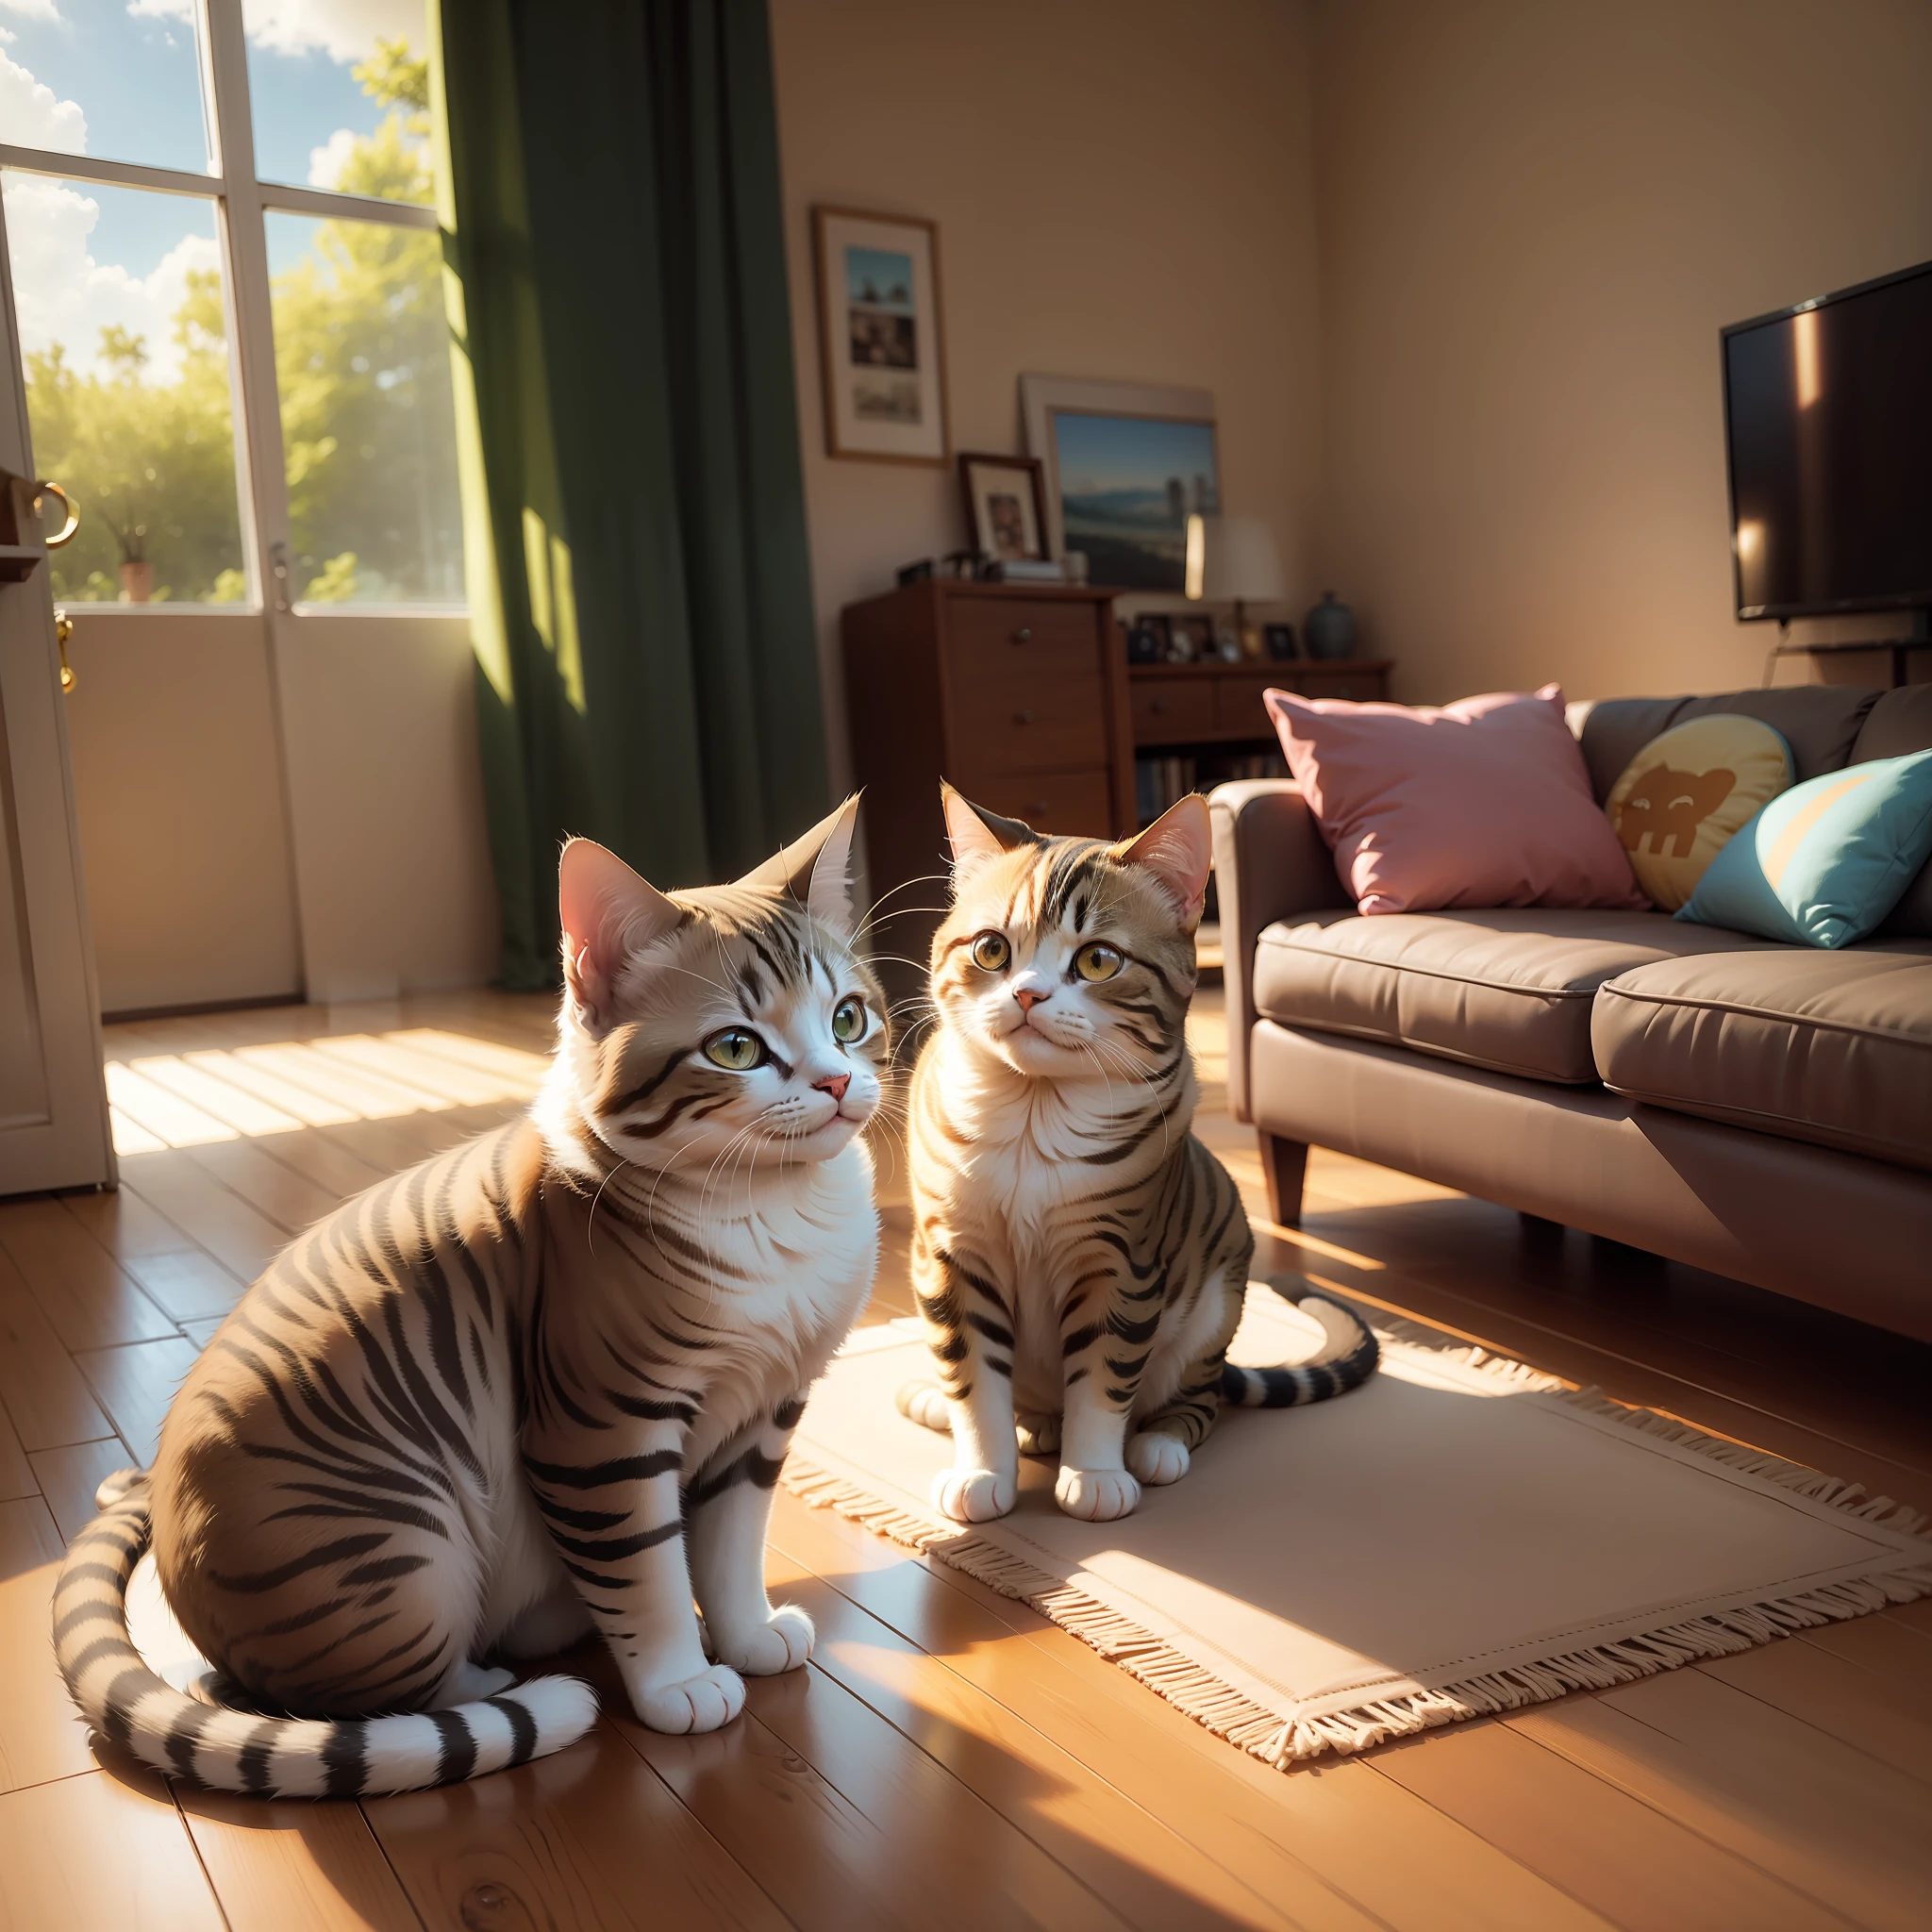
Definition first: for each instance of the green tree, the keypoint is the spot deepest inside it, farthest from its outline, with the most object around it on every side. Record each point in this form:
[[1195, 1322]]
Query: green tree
[[362, 371]]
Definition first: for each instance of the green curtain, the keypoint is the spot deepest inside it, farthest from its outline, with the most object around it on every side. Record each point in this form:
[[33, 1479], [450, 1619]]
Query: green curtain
[[640, 590]]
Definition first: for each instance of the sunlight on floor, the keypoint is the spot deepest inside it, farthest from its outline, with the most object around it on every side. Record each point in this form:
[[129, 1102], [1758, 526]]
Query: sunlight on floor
[[190, 1100]]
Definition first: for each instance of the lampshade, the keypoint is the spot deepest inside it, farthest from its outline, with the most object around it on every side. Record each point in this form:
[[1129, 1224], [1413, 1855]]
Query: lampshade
[[1243, 564]]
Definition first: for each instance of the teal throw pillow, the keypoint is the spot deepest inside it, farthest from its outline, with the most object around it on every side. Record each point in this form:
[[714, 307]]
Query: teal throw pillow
[[1822, 864]]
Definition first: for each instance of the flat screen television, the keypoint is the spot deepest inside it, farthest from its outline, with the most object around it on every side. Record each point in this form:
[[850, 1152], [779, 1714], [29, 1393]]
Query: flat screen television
[[1828, 436]]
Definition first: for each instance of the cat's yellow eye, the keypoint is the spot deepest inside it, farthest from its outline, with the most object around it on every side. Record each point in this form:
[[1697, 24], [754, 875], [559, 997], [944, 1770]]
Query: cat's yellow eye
[[736, 1049], [992, 951], [1098, 960], [848, 1020]]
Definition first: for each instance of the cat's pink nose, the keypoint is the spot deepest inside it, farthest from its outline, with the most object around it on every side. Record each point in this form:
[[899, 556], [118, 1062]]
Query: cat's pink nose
[[833, 1084], [1028, 997]]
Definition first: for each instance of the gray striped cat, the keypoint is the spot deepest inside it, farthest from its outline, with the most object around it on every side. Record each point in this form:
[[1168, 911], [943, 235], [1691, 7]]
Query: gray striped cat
[[1080, 1260], [539, 1386]]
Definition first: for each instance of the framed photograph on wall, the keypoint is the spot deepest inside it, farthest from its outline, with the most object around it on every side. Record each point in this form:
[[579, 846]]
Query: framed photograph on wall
[[1005, 508], [1127, 465], [881, 345]]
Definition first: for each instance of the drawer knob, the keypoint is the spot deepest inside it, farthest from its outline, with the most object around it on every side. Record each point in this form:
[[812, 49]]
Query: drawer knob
[[1037, 806], [1022, 716], [1024, 635], [1159, 707]]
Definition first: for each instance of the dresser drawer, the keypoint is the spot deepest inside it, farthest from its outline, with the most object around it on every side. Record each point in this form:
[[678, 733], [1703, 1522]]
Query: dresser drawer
[[1171, 710], [1020, 718], [1239, 706], [1363, 684], [986, 634], [1078, 802]]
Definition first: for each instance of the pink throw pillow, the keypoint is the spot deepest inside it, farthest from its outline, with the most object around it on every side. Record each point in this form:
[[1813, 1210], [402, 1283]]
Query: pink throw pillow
[[1485, 802]]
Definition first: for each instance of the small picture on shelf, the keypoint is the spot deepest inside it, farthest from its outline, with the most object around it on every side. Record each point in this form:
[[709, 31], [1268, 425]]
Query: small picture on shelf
[[1193, 636], [1147, 643], [1279, 639]]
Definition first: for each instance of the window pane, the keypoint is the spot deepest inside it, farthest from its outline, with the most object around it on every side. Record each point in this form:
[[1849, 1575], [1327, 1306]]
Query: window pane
[[123, 342], [340, 94], [368, 427], [116, 78]]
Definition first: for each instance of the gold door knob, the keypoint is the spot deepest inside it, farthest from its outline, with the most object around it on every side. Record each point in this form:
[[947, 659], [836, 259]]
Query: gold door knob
[[44, 489], [63, 630]]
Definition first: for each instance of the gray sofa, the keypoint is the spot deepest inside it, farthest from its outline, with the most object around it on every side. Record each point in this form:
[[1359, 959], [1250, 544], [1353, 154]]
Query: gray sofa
[[1758, 1109]]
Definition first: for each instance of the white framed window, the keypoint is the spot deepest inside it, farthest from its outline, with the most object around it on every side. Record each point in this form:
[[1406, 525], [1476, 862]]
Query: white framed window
[[227, 278]]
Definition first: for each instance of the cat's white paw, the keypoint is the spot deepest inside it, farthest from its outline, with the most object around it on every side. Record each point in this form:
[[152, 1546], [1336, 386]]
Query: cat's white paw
[[925, 1403], [972, 1495], [1157, 1457], [782, 1642], [1097, 1495], [703, 1702]]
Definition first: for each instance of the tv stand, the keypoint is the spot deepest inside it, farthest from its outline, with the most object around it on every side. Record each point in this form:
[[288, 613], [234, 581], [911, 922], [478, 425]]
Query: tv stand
[[1918, 639]]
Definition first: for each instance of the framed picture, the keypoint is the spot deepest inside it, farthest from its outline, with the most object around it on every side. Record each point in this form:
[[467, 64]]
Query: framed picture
[[1279, 638], [1148, 640], [879, 340], [1005, 510], [1125, 467], [1192, 638]]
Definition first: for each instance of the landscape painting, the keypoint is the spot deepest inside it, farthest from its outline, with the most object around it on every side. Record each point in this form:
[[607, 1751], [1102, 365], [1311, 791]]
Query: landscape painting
[[1127, 486], [882, 326]]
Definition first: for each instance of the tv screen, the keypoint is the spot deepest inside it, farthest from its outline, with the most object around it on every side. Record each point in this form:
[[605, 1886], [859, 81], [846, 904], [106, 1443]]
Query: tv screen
[[1828, 423]]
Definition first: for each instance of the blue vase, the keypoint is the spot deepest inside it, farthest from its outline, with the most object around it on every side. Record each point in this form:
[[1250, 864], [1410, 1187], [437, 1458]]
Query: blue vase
[[1328, 630]]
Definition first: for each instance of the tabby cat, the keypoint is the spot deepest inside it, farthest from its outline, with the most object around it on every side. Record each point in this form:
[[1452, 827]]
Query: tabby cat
[[540, 1384], [1078, 1257]]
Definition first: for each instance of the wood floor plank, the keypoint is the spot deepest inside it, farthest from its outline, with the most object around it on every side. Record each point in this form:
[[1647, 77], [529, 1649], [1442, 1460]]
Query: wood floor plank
[[590, 1837], [1821, 1816], [91, 1301], [136, 1385], [323, 1160], [189, 1284], [16, 1473], [286, 1195], [242, 1237], [45, 1399], [41, 1735], [1900, 1655], [1379, 1849], [295, 1866], [848, 1823], [69, 1478], [1636, 1866], [98, 1854], [202, 1333], [1857, 1706]]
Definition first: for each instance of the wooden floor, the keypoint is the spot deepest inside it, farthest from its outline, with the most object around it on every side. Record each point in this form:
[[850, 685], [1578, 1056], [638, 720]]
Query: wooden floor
[[948, 1758]]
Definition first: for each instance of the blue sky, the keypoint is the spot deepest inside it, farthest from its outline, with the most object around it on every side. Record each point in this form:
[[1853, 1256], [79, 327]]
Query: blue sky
[[131, 70], [1098, 454]]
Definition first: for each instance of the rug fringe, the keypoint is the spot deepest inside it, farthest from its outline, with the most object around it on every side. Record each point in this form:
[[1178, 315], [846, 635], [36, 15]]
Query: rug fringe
[[1228, 1713]]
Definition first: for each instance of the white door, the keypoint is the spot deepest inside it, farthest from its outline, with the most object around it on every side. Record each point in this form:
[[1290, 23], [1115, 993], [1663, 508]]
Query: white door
[[236, 358]]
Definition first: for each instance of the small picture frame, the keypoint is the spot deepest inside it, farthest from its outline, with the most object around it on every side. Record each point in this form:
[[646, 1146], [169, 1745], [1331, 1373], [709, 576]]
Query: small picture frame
[[1279, 639], [1192, 635], [1227, 641], [1005, 507], [881, 351], [1147, 639]]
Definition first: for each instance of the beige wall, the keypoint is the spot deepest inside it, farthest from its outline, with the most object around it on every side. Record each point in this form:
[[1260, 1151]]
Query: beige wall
[[1534, 219], [1123, 189]]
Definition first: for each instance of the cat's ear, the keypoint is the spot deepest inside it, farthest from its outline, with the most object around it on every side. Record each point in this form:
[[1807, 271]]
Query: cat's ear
[[979, 835], [817, 869], [1178, 849], [607, 913]]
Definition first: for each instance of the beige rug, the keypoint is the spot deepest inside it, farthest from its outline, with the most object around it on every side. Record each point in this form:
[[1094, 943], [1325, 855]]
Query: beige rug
[[1460, 1536]]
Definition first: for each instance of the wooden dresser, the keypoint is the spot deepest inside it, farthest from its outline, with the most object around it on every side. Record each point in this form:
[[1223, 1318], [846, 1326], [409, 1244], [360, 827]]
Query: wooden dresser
[[1015, 692]]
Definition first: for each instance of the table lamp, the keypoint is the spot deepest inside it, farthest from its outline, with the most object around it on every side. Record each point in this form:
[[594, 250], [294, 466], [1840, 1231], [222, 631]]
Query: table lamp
[[1241, 566]]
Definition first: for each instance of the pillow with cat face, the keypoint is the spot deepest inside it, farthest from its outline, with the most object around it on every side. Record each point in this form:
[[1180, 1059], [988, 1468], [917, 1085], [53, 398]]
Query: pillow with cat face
[[1683, 796]]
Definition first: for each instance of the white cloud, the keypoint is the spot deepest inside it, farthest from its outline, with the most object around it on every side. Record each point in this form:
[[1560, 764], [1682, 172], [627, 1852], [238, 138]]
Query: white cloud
[[62, 295], [182, 10], [327, 163], [345, 30], [31, 9], [34, 116]]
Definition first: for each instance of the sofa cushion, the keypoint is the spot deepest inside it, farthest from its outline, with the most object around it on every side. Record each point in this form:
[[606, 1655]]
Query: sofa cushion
[[1820, 722], [1509, 990], [1834, 1048]]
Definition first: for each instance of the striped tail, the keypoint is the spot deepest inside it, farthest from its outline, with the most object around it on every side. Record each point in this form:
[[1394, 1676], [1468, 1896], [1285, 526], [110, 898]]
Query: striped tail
[[1346, 1361], [225, 1750]]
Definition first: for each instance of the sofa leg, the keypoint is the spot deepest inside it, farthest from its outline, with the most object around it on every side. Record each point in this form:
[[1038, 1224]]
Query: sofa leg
[[1284, 1166]]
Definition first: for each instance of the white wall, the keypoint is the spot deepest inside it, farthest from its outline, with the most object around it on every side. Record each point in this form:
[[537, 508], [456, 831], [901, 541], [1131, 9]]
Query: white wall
[[1535, 217], [1123, 189]]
